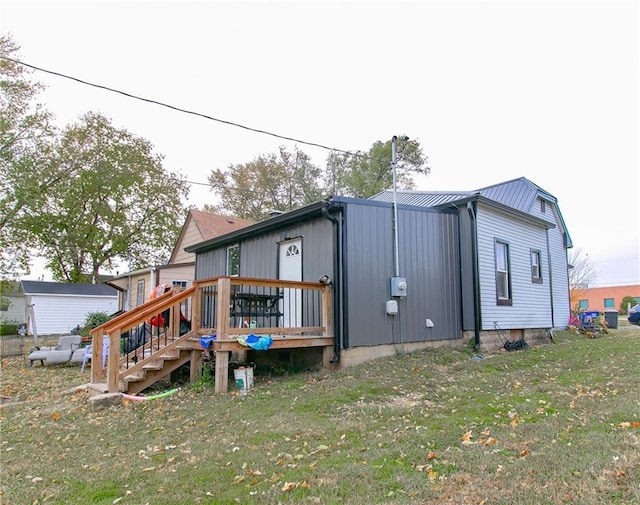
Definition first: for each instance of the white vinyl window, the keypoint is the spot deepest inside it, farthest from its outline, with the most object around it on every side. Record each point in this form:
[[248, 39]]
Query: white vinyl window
[[536, 269], [140, 294]]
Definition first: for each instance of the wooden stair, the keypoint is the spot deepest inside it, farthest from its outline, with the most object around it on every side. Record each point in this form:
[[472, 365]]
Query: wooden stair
[[159, 364]]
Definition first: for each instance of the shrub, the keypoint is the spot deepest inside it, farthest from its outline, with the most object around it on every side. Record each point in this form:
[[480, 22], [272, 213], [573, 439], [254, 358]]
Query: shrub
[[9, 328], [93, 320], [627, 301]]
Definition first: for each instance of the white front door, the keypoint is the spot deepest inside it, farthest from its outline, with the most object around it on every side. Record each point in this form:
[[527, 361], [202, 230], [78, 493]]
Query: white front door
[[290, 269]]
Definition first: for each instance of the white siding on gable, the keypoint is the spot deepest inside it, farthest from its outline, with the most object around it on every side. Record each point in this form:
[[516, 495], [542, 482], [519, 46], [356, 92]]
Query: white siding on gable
[[58, 314], [531, 304], [559, 272], [558, 258]]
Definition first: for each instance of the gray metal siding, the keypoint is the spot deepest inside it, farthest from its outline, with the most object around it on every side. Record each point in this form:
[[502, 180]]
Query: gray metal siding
[[259, 255], [429, 259]]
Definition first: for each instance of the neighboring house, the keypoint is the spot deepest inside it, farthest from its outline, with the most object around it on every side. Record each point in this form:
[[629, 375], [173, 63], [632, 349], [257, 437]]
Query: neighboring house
[[59, 307], [490, 263], [12, 306], [135, 287], [605, 297]]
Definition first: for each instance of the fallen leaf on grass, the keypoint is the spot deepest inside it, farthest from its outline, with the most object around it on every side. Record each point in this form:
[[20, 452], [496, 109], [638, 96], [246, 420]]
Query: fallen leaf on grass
[[466, 438], [288, 486], [627, 424], [431, 455]]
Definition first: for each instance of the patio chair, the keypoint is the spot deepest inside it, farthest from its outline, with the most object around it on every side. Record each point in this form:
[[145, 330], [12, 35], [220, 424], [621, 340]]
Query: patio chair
[[61, 353], [88, 353]]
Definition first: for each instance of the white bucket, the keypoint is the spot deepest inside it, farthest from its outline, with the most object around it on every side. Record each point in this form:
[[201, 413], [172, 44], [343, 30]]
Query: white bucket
[[244, 378]]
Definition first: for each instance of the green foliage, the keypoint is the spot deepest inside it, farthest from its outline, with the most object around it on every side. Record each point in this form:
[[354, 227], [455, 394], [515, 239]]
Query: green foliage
[[93, 320], [26, 136], [627, 301], [86, 198], [280, 182], [288, 181], [365, 174], [113, 201], [8, 328]]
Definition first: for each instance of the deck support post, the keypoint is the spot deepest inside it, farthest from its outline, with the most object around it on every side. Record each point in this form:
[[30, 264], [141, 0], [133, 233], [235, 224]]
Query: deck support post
[[222, 371], [195, 366]]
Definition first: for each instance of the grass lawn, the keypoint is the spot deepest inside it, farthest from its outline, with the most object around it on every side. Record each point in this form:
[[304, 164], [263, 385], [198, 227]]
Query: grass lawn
[[554, 424]]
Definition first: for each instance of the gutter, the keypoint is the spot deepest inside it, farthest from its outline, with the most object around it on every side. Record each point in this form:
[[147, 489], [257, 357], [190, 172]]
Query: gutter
[[338, 282]]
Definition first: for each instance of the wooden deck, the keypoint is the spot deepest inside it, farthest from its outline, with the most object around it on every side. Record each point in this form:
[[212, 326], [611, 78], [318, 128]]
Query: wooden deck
[[294, 314]]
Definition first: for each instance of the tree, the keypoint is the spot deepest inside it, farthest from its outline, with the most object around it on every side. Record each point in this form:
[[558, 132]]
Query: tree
[[287, 181], [362, 175], [627, 301], [26, 136], [582, 272], [112, 201], [270, 182]]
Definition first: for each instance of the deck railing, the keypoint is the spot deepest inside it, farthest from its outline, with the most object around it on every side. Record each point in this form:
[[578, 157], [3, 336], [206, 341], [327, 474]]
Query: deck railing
[[227, 307]]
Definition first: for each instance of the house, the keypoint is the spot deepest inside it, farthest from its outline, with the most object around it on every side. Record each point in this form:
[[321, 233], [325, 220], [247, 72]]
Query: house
[[486, 266], [12, 306], [135, 287], [59, 307]]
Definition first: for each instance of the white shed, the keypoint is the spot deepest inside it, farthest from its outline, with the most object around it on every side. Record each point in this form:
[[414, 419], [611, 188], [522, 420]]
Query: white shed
[[59, 307]]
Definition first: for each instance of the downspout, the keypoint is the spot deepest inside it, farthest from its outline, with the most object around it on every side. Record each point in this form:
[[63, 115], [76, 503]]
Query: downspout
[[471, 209], [337, 285], [550, 267]]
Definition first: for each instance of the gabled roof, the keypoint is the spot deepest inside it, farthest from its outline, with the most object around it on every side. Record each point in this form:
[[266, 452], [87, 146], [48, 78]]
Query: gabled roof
[[213, 225], [62, 288], [519, 193], [209, 226]]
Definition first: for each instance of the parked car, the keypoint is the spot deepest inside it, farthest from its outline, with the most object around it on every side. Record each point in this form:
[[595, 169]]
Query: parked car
[[634, 314]]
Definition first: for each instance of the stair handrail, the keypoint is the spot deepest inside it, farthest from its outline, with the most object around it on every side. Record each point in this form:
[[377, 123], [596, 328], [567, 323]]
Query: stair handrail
[[114, 327]]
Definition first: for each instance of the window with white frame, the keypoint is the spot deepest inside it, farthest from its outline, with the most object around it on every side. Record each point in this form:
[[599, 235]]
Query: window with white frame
[[536, 268], [233, 260], [180, 285], [503, 273], [140, 294]]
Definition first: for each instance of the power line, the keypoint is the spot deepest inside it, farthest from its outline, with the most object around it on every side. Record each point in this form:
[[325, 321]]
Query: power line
[[186, 111]]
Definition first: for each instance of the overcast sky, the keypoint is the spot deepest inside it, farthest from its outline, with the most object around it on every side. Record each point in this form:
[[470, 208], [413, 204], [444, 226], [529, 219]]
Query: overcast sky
[[493, 91]]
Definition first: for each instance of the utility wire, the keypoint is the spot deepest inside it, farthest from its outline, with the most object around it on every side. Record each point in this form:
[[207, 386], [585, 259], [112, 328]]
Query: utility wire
[[179, 109]]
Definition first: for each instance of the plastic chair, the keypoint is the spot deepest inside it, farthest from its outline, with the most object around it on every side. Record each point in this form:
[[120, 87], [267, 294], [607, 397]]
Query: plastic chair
[[88, 353]]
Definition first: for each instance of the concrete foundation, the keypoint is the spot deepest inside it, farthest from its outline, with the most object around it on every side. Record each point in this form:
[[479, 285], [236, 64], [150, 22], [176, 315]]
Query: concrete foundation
[[493, 340]]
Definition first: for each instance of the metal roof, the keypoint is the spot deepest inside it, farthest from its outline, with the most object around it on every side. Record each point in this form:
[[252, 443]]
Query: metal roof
[[519, 194], [420, 198]]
